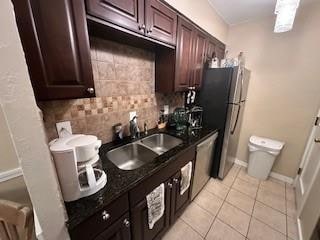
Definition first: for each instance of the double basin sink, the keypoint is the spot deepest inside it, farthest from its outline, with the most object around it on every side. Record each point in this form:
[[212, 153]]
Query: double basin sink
[[135, 155]]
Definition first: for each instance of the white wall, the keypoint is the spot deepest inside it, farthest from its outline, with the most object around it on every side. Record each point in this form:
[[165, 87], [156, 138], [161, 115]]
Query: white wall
[[26, 129], [201, 12], [284, 91]]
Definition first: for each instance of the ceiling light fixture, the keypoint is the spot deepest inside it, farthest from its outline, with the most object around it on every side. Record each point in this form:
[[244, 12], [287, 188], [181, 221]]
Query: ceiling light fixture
[[286, 12]]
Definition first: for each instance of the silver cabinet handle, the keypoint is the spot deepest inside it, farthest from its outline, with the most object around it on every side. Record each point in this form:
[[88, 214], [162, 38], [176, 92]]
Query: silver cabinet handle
[[170, 185], [317, 140], [175, 180], [149, 30], [90, 90], [126, 223], [105, 215]]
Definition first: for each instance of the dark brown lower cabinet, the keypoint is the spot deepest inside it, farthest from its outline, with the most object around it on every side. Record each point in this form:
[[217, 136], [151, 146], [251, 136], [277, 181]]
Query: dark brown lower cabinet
[[178, 202], [139, 216], [120, 230], [175, 203]]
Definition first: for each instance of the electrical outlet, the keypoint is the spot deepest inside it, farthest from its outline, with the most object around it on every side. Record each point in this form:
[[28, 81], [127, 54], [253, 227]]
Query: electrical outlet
[[166, 109], [132, 115], [64, 125]]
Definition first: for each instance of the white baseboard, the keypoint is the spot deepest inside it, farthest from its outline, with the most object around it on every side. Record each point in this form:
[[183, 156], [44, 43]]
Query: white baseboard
[[10, 174], [272, 174]]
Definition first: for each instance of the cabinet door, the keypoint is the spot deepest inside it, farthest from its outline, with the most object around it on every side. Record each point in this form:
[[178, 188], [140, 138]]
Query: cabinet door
[[125, 13], [199, 58], [178, 202], [139, 216], [184, 54], [55, 41], [120, 230], [161, 22], [220, 50], [211, 48]]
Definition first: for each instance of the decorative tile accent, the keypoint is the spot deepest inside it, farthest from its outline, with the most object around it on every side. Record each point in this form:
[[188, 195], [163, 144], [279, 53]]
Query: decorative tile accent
[[124, 81]]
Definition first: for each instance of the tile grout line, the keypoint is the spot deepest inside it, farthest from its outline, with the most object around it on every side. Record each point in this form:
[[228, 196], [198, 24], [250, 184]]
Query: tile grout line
[[224, 200], [231, 205], [254, 204]]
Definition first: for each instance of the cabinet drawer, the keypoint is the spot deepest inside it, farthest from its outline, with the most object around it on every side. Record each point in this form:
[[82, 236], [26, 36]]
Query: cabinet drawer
[[101, 220]]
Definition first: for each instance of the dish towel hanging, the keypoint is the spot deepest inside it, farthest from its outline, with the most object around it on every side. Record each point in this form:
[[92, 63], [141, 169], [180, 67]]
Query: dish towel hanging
[[186, 172], [156, 206]]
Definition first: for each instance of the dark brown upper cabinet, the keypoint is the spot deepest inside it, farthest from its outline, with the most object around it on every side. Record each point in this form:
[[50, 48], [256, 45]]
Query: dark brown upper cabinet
[[211, 48], [199, 58], [150, 18], [184, 55], [161, 22], [125, 13], [56, 45], [220, 50]]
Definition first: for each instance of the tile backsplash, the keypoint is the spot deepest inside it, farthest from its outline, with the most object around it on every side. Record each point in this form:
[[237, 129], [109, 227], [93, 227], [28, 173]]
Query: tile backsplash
[[124, 79]]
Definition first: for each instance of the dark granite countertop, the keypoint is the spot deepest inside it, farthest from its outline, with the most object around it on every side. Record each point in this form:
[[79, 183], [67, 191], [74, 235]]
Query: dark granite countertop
[[121, 181]]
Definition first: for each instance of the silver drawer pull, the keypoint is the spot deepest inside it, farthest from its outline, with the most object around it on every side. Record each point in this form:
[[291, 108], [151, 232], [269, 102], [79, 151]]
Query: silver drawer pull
[[105, 215], [170, 185], [175, 180], [126, 223], [317, 140], [90, 90]]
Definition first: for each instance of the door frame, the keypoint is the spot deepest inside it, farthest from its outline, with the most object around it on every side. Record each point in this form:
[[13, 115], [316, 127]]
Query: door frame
[[297, 182]]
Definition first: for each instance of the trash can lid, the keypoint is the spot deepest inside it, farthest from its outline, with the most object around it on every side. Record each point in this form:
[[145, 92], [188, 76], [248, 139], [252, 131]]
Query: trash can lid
[[266, 143]]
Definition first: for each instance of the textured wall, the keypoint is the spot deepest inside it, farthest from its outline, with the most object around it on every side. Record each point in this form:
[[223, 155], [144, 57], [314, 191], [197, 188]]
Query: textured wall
[[283, 95], [124, 79], [26, 129]]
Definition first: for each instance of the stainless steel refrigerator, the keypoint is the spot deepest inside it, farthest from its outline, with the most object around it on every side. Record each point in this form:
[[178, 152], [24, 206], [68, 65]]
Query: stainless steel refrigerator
[[223, 97]]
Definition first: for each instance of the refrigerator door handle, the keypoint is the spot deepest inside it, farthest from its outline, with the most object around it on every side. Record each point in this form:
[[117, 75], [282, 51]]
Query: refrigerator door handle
[[237, 119], [241, 89]]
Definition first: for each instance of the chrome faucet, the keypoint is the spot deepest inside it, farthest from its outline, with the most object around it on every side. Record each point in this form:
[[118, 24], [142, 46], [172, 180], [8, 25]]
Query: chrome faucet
[[134, 128], [145, 128]]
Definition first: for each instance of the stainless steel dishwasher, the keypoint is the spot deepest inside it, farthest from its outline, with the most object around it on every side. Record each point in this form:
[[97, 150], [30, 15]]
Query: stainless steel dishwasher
[[203, 164]]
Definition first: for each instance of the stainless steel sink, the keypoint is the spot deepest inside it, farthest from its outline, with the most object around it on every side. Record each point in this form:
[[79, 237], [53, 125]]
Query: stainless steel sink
[[131, 156], [161, 143]]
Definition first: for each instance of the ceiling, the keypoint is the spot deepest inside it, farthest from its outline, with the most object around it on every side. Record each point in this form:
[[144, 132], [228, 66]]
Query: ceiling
[[238, 11]]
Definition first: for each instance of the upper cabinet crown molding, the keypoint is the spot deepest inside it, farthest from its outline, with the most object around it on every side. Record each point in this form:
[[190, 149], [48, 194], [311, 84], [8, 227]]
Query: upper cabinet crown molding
[[56, 44]]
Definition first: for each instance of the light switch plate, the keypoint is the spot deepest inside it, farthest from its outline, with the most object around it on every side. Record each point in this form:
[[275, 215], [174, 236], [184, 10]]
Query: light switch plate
[[63, 125], [166, 109], [132, 115]]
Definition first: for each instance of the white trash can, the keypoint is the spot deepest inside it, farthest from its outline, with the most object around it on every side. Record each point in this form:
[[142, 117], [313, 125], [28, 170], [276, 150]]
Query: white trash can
[[263, 152]]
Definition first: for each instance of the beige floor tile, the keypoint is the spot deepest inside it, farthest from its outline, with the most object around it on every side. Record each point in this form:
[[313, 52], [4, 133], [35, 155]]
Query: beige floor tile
[[235, 218], [271, 217], [272, 200], [209, 202], [240, 200], [261, 231], [199, 219], [244, 176], [276, 187], [292, 228], [245, 187], [291, 209], [217, 188], [290, 193], [221, 231], [229, 179], [181, 230]]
